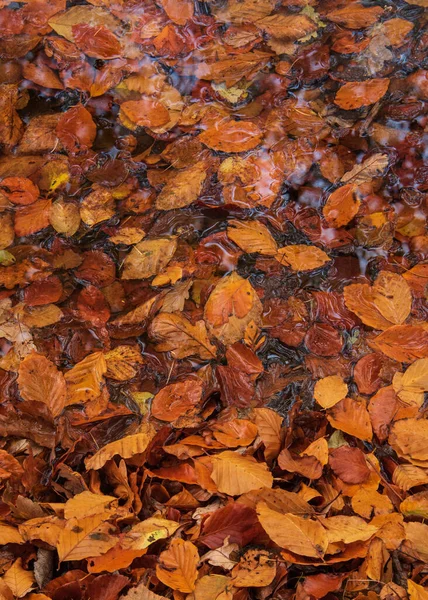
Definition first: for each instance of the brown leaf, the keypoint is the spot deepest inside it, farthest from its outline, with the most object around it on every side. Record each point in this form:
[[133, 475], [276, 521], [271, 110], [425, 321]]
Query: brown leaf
[[84, 379], [173, 333], [184, 188], [355, 16], [40, 381]]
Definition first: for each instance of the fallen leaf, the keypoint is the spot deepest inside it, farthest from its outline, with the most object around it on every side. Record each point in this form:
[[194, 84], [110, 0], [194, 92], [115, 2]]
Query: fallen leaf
[[342, 205], [85, 379], [149, 257], [173, 333], [177, 566], [235, 474], [302, 258], [126, 447], [252, 236], [85, 537], [356, 94], [232, 136], [177, 399], [330, 390]]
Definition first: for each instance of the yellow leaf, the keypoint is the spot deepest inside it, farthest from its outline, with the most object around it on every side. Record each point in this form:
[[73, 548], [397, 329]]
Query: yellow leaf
[[147, 532], [348, 529], [252, 236], [301, 257], [174, 333], [84, 379], [87, 504], [40, 381], [232, 305], [296, 534], [416, 592], [407, 476], [416, 541], [125, 447], [392, 297], [141, 592], [46, 529], [330, 390], [10, 535], [18, 579], [149, 257], [96, 207], [257, 568], [235, 474], [177, 566], [84, 538]]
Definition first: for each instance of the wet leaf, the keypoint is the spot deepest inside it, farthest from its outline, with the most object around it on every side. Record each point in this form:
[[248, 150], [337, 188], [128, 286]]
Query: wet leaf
[[232, 136], [149, 257], [173, 333], [356, 94], [40, 381], [302, 258]]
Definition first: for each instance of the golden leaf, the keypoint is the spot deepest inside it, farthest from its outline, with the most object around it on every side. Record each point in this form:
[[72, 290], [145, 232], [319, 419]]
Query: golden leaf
[[40, 381], [404, 343], [147, 532], [300, 257], [184, 188], [232, 305], [149, 257], [177, 566], [125, 447], [86, 537], [18, 579], [63, 22], [64, 217], [330, 390], [10, 535], [346, 529], [84, 379], [407, 476], [122, 362], [97, 206], [416, 592], [87, 504], [174, 333], [257, 568], [416, 505], [296, 534], [235, 474], [144, 113], [409, 438], [252, 236]]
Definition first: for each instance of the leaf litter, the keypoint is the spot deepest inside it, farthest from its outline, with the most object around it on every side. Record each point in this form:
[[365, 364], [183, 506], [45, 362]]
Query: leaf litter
[[213, 286]]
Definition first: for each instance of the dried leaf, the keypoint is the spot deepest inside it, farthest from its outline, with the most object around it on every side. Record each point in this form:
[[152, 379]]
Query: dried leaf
[[126, 448], [235, 474], [40, 381], [177, 566], [173, 333]]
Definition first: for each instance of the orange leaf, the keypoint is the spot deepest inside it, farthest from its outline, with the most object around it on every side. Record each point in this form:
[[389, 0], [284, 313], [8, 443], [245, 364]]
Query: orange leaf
[[83, 538], [32, 218], [342, 205], [84, 379], [232, 305], [174, 333], [19, 190], [409, 438], [330, 390], [145, 112], [252, 236], [405, 343], [355, 16], [177, 399], [18, 580], [125, 447], [177, 566], [235, 474], [269, 425], [238, 432], [232, 136], [297, 534], [356, 94], [40, 381], [351, 417]]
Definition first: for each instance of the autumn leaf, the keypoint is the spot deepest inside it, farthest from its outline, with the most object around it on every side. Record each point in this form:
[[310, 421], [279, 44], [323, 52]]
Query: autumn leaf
[[147, 532], [408, 437], [232, 305], [177, 566], [84, 380], [342, 205], [125, 447], [348, 529], [349, 464], [177, 399], [255, 569], [174, 333], [87, 504], [302, 258], [355, 15], [122, 362], [252, 236], [63, 22], [184, 188], [232, 136], [85, 537], [235, 474], [330, 390], [96, 207], [64, 217], [352, 417], [145, 112], [18, 580], [371, 167], [149, 257], [405, 343], [297, 534], [416, 592], [40, 381], [356, 94], [19, 190], [269, 429], [32, 218]]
